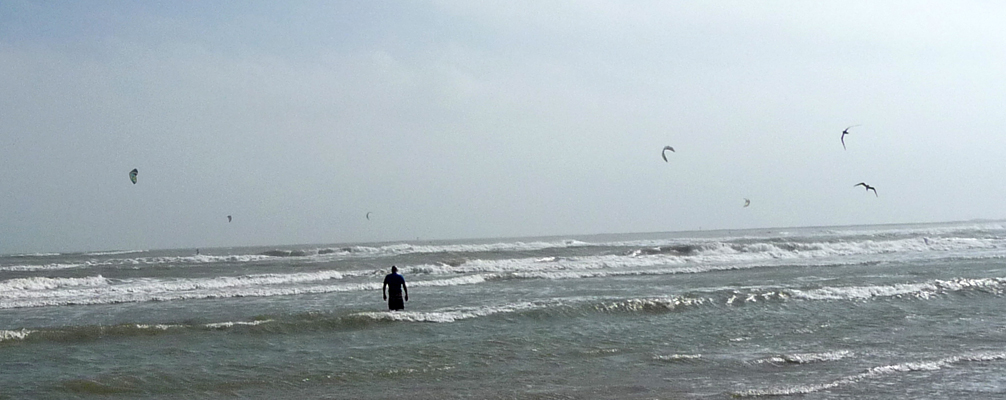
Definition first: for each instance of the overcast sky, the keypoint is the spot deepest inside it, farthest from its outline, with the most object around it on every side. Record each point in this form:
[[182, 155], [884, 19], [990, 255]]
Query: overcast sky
[[488, 119]]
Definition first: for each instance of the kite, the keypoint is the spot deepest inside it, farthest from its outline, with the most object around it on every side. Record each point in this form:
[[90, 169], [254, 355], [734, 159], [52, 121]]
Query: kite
[[868, 187], [663, 153], [846, 132], [132, 175]]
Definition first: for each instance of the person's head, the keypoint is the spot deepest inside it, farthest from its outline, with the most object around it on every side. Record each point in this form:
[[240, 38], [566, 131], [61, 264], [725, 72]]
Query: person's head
[[394, 269]]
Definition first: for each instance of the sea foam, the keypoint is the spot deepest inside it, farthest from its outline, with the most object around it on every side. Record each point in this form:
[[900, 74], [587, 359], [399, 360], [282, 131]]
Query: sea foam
[[874, 373]]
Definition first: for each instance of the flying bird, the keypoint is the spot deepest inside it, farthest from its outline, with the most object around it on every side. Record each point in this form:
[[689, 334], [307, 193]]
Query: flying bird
[[132, 175], [747, 202], [368, 215], [868, 187], [846, 132], [228, 218], [663, 153]]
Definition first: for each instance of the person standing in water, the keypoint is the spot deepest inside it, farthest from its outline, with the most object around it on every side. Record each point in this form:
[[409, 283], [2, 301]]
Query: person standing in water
[[397, 283]]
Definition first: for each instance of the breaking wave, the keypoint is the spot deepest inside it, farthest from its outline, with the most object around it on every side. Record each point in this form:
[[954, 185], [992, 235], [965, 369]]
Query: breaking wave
[[449, 314], [40, 267], [17, 335], [91, 332], [875, 373], [114, 252], [677, 357], [807, 358], [923, 290], [39, 292], [43, 283]]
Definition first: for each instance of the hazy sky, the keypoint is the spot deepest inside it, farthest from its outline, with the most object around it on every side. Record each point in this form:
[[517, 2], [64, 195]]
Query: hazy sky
[[456, 119]]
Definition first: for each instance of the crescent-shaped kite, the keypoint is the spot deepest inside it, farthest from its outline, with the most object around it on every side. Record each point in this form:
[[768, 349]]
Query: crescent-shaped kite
[[868, 187], [663, 153]]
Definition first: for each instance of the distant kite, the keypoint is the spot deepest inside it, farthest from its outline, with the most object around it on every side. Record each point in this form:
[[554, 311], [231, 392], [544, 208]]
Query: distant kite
[[846, 132], [868, 187], [368, 215], [228, 218], [747, 202], [132, 175], [663, 153]]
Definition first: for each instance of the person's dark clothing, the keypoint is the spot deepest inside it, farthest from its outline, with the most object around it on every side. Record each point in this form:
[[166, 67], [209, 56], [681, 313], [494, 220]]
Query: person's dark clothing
[[395, 283], [396, 302]]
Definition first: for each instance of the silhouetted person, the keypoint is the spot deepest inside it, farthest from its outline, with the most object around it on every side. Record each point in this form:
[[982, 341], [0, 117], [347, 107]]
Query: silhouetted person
[[397, 283]]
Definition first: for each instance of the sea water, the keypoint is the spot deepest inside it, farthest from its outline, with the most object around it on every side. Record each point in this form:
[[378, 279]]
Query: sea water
[[881, 312]]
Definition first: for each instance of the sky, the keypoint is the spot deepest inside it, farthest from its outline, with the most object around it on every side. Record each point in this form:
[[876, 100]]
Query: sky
[[461, 119]]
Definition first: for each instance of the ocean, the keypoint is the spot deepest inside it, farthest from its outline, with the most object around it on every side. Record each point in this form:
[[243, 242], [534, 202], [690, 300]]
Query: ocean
[[858, 312]]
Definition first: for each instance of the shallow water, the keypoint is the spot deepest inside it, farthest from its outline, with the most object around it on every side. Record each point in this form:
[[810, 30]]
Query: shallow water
[[910, 311]]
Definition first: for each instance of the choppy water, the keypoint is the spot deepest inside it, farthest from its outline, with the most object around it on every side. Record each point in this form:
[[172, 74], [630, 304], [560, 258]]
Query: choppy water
[[912, 311]]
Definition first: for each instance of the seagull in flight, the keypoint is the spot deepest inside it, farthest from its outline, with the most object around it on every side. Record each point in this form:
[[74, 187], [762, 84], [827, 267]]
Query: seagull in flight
[[368, 215], [846, 132], [868, 187], [747, 202], [663, 153]]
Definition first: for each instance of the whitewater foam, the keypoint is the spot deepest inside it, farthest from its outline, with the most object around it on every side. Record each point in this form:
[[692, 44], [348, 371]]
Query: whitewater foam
[[923, 290], [44, 283], [28, 255], [21, 334], [114, 252], [224, 325], [677, 357], [40, 267], [874, 373], [449, 314], [653, 304], [160, 327], [807, 358], [26, 292]]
